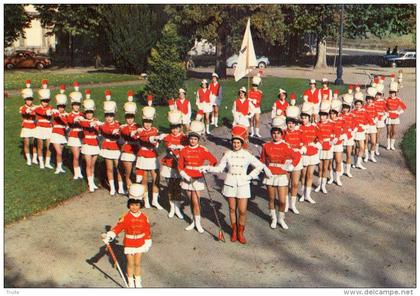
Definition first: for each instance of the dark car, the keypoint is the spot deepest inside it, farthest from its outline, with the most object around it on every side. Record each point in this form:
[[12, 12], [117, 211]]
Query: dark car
[[404, 58], [26, 59]]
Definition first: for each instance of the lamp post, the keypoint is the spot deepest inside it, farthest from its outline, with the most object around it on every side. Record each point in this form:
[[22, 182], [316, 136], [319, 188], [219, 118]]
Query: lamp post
[[339, 80]]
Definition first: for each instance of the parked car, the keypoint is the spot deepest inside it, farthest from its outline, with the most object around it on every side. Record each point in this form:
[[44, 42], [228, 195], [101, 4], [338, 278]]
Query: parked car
[[262, 61], [404, 58], [26, 59]]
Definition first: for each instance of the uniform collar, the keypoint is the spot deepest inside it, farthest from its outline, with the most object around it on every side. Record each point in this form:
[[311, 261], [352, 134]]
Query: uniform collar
[[136, 214], [196, 146]]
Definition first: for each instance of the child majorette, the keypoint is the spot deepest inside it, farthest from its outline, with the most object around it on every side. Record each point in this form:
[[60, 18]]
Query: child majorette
[[242, 109], [75, 134], [361, 120], [147, 162], [371, 131], [130, 147], [336, 164], [28, 124], [215, 98], [58, 136], [174, 143], [380, 106], [191, 158], [327, 140], [110, 149], [311, 158], [313, 96], [325, 91], [292, 135], [137, 234], [395, 107], [255, 97], [349, 127], [280, 105], [183, 105], [43, 126], [90, 145], [237, 182], [203, 102], [279, 158]]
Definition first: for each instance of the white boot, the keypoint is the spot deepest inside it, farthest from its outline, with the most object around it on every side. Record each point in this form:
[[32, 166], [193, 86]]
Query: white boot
[[190, 227], [281, 221], [41, 162], [366, 155], [28, 159], [354, 162], [146, 200], [372, 156], [318, 189], [252, 132], [323, 185], [171, 210], [77, 173], [137, 280], [47, 163], [331, 179], [377, 149], [308, 195], [257, 132], [131, 282], [338, 178], [287, 204], [111, 187], [212, 120], [58, 168], [90, 184], [348, 167], [35, 158], [155, 202], [216, 121], [293, 204], [359, 164], [178, 212], [273, 219], [392, 144], [388, 141], [121, 188], [302, 195], [197, 220], [208, 129]]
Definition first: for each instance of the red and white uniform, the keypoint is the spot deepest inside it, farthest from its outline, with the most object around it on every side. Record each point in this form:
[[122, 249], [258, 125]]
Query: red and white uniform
[[190, 160], [338, 130], [136, 227], [326, 138], [295, 140], [326, 94], [90, 143], [147, 154], [75, 134], [373, 115], [255, 97], [184, 106], [380, 105], [59, 121], [216, 93], [111, 133], [43, 122], [393, 106], [349, 126], [130, 147], [203, 100], [279, 108], [242, 111], [278, 157], [28, 121], [361, 120], [174, 144], [314, 97], [310, 142]]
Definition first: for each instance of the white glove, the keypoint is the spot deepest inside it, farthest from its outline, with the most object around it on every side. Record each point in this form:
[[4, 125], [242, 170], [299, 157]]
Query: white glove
[[318, 145], [400, 112], [303, 150], [48, 112], [204, 169], [180, 147], [28, 110], [173, 147], [93, 124], [147, 244], [343, 137], [268, 173], [161, 137], [278, 112], [334, 141], [115, 131], [78, 118], [133, 133], [110, 236], [153, 139], [185, 176]]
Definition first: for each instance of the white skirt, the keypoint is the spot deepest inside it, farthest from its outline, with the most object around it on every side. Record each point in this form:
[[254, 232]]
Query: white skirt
[[186, 119], [277, 180], [90, 150], [43, 133], [237, 191], [206, 107], [326, 154], [132, 251], [195, 185], [360, 136], [310, 160], [389, 121], [315, 108], [110, 154], [128, 157], [371, 129], [381, 123], [74, 142], [168, 172], [348, 142], [58, 139], [28, 132], [144, 163], [257, 110], [338, 148]]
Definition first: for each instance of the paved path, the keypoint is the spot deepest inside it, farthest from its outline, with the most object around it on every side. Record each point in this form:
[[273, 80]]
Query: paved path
[[361, 235]]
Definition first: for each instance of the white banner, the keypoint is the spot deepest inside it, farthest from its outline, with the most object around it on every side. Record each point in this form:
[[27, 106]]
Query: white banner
[[246, 60]]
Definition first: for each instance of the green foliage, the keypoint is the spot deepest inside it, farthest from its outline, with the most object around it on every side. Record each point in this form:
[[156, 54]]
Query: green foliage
[[16, 19], [409, 148], [166, 70]]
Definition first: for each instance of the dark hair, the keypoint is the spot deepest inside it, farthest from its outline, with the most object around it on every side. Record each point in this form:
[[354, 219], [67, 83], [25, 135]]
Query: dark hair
[[110, 114], [346, 106], [171, 126], [147, 120], [29, 98], [334, 111], [61, 105], [193, 134], [129, 115], [290, 119], [133, 201], [323, 113], [273, 129], [305, 114], [237, 138]]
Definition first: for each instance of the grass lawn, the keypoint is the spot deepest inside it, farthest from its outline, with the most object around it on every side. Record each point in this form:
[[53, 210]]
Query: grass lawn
[[39, 189], [409, 148], [15, 79]]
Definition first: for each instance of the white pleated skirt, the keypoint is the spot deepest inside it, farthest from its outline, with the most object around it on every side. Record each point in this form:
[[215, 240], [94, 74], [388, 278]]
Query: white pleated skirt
[[371, 129], [128, 157], [132, 251], [58, 139], [43, 133], [310, 160], [326, 154], [242, 191], [338, 148], [193, 185], [74, 142], [90, 150], [110, 154], [389, 121], [27, 132], [360, 136], [277, 180], [144, 163]]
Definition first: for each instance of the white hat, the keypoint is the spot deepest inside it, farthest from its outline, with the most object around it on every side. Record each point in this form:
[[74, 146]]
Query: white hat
[[196, 127], [181, 90], [27, 93], [148, 112], [324, 80], [75, 97], [279, 122], [204, 81], [348, 99], [61, 99], [371, 91], [336, 105], [243, 89], [214, 75], [256, 80], [136, 191], [325, 106], [358, 96], [393, 86], [282, 91], [110, 107], [380, 88], [312, 81], [44, 94], [175, 117], [130, 107], [307, 108], [89, 105], [292, 112]]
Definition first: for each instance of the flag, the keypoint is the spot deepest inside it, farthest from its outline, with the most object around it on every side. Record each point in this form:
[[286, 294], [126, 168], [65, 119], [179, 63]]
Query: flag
[[246, 59]]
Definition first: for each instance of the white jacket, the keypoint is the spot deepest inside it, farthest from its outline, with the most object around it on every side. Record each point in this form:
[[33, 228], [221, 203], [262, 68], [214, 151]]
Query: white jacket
[[237, 163]]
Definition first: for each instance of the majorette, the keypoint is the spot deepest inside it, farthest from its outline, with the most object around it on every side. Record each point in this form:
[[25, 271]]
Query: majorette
[[255, 97], [75, 131], [280, 105], [58, 136], [215, 98], [242, 109], [28, 123]]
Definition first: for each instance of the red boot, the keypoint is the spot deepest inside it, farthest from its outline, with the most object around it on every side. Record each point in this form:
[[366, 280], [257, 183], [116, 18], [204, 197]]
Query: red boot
[[234, 236], [241, 236]]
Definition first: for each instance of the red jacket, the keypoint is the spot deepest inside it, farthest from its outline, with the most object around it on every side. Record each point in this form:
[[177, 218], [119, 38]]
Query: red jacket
[[203, 97], [313, 97], [59, 123], [380, 108], [191, 158], [361, 117], [75, 129], [281, 106], [392, 105], [182, 106], [90, 133], [110, 140], [309, 136], [349, 123], [180, 139], [372, 112], [147, 149], [42, 119], [242, 107], [274, 154], [28, 118], [214, 88], [338, 129], [256, 96], [325, 134], [326, 94], [293, 138], [137, 229], [130, 145]]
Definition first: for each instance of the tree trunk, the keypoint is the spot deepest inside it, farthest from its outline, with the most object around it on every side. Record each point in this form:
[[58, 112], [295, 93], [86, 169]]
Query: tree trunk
[[220, 68], [321, 54]]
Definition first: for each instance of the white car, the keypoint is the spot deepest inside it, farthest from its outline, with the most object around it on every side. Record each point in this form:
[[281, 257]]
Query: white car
[[262, 62]]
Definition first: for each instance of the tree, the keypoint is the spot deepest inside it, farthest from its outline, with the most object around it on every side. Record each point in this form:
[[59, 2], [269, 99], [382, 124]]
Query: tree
[[166, 70], [224, 25], [16, 20]]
